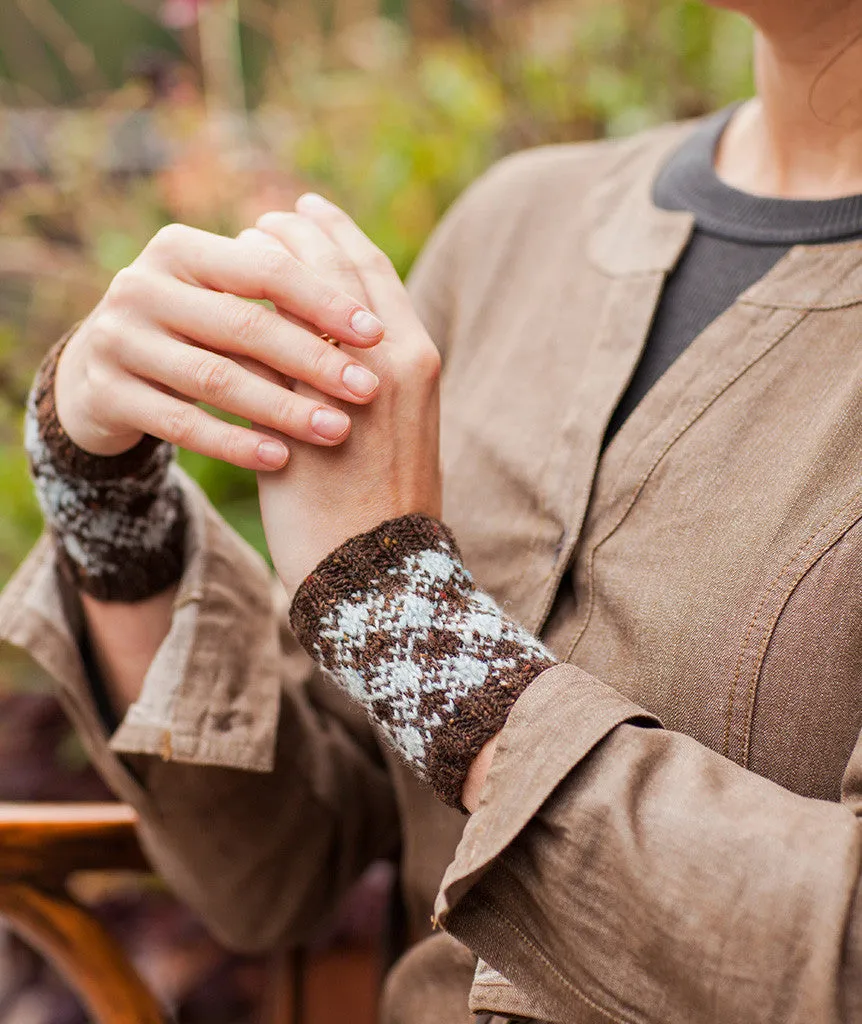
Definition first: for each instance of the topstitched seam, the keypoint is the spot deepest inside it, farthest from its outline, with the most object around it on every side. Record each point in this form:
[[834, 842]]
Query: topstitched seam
[[610, 1014], [766, 594], [770, 628], [728, 382]]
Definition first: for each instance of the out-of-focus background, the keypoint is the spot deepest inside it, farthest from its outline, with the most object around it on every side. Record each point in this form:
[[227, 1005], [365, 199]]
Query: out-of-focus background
[[118, 116]]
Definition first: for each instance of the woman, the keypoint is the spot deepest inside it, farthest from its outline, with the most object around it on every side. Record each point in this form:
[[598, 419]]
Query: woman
[[651, 430]]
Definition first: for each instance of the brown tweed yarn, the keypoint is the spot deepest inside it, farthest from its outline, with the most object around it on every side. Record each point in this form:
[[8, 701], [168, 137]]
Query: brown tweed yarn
[[119, 521], [397, 620]]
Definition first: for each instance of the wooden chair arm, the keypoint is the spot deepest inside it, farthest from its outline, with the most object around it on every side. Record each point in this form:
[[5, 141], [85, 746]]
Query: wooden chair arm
[[47, 842], [40, 846]]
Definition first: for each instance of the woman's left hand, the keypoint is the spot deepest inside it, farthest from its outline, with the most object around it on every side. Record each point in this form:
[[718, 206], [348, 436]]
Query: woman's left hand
[[389, 466]]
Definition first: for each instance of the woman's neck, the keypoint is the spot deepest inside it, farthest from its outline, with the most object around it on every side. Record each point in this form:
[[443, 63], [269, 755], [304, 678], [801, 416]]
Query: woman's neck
[[801, 137]]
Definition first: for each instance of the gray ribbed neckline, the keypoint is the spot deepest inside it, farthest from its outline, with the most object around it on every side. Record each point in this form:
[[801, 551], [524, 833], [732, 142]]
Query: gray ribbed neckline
[[688, 181]]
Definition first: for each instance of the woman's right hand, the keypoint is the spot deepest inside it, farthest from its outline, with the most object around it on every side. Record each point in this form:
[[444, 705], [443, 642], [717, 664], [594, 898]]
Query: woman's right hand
[[171, 331]]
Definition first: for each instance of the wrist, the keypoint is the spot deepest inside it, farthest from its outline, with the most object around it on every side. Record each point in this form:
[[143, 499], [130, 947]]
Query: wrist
[[70, 421], [478, 773], [47, 432]]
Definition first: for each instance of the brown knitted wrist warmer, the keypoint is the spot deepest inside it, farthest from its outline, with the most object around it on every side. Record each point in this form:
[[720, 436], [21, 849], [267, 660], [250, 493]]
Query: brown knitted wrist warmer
[[396, 619], [119, 521]]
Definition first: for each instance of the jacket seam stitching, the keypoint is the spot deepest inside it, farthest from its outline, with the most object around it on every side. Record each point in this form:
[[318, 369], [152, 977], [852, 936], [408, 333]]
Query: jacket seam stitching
[[766, 595], [769, 630], [543, 956], [695, 416], [842, 302]]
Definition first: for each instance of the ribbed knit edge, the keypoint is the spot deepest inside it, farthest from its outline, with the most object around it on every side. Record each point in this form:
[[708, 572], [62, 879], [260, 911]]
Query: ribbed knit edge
[[356, 567], [477, 719]]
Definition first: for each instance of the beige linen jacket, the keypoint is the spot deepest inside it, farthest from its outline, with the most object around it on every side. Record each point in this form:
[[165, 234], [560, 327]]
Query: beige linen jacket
[[706, 569]]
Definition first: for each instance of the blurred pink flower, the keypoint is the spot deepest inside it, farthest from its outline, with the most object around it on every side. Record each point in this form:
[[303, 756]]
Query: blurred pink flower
[[180, 13]]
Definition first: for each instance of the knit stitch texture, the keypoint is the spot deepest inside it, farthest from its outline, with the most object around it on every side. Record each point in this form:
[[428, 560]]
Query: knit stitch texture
[[119, 521], [397, 620]]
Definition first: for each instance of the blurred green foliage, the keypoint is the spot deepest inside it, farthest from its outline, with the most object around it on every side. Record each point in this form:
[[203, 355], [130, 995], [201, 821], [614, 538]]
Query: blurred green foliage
[[390, 125]]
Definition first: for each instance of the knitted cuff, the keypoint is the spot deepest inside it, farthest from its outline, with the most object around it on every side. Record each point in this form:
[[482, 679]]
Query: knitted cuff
[[396, 619], [119, 521]]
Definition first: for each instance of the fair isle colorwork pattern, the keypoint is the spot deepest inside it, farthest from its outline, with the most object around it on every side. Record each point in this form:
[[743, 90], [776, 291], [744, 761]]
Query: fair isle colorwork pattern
[[397, 620], [119, 521]]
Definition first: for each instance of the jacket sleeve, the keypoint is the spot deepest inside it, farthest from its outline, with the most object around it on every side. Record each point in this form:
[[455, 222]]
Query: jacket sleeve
[[262, 795], [615, 872]]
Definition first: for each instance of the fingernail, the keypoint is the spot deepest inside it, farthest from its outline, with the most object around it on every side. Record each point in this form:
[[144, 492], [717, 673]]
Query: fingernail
[[273, 454], [312, 201], [329, 423], [366, 325], [359, 380]]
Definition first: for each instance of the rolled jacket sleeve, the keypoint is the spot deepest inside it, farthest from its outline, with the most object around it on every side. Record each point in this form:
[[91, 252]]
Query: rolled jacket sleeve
[[212, 693], [262, 794], [619, 873]]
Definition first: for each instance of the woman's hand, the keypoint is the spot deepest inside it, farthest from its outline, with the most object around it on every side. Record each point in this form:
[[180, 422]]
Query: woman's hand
[[389, 466], [171, 331]]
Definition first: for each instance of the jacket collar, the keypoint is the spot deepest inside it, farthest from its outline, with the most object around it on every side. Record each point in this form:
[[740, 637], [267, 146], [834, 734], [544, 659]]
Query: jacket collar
[[812, 277], [632, 237]]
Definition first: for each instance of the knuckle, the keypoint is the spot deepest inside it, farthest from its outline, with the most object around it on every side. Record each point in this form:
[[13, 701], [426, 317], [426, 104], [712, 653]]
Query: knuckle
[[169, 238], [179, 427], [213, 378], [103, 332], [276, 220], [430, 363], [320, 362], [422, 364], [231, 444], [332, 302], [257, 238], [377, 262], [269, 219], [101, 381], [245, 322], [337, 264], [284, 409], [274, 266], [126, 287]]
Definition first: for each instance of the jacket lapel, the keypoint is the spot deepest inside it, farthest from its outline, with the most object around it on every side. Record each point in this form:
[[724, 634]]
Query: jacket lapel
[[631, 249]]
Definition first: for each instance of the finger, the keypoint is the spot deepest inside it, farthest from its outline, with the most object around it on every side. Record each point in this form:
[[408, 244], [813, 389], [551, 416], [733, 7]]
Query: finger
[[259, 272], [257, 237], [227, 324], [187, 426], [310, 244], [383, 286], [254, 236], [205, 376]]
